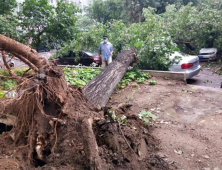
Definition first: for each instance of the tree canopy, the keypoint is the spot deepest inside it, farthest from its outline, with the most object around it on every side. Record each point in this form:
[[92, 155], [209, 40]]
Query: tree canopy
[[44, 24], [155, 27], [7, 6], [129, 11], [185, 28]]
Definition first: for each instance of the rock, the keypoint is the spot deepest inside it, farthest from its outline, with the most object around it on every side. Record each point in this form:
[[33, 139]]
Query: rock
[[205, 156], [179, 152], [217, 168], [207, 168]]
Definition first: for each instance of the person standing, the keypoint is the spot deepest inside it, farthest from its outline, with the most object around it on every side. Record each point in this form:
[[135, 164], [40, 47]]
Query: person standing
[[105, 52]]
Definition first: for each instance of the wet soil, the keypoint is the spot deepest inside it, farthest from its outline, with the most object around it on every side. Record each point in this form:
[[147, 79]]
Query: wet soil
[[186, 134], [80, 138], [189, 123]]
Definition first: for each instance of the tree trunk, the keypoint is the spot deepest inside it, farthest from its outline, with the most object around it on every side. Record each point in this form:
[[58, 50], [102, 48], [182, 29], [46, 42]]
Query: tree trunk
[[100, 88], [17, 48]]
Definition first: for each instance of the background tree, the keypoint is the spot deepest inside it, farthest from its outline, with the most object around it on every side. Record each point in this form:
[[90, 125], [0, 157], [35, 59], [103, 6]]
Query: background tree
[[84, 22], [8, 21], [104, 11], [128, 10], [7, 6], [47, 25], [35, 20], [62, 26], [194, 27]]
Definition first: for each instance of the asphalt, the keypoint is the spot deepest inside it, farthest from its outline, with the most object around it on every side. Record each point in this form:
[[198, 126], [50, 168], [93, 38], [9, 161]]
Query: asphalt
[[206, 78]]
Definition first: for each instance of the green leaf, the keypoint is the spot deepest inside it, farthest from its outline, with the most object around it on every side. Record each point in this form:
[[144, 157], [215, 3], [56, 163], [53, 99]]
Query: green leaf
[[2, 93], [152, 82], [146, 120], [143, 113], [149, 114]]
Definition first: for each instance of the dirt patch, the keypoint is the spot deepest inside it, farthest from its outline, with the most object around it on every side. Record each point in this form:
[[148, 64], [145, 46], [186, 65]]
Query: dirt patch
[[56, 128], [189, 121]]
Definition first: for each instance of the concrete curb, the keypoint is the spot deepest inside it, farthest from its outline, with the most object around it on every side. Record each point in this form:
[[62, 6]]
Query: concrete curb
[[73, 66]]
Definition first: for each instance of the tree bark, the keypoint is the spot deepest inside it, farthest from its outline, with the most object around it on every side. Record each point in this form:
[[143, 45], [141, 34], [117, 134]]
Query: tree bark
[[15, 47], [100, 88]]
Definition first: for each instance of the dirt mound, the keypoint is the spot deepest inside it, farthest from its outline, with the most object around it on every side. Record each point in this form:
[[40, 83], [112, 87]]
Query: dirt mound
[[57, 129]]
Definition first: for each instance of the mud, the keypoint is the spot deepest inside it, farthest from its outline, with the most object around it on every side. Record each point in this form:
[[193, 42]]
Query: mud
[[189, 123], [57, 129]]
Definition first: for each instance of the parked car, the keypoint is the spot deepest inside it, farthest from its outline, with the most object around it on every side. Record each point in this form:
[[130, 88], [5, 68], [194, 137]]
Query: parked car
[[187, 64], [84, 57], [208, 54]]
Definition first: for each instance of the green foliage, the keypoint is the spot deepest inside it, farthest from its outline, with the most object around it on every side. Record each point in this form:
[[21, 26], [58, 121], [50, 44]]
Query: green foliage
[[2, 93], [136, 76], [62, 25], [7, 7], [128, 11], [7, 26], [153, 42], [8, 21], [7, 84], [91, 39], [107, 10], [79, 76], [17, 71], [180, 28], [152, 82], [84, 22], [48, 25], [151, 38], [146, 116], [112, 117], [199, 26], [4, 73]]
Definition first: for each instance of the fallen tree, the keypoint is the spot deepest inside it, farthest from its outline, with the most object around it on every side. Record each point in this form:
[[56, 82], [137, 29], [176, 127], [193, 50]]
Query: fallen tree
[[100, 88], [56, 127]]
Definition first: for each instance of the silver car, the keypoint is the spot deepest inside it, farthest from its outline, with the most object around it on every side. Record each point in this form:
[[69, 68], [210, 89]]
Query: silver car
[[208, 54], [187, 64]]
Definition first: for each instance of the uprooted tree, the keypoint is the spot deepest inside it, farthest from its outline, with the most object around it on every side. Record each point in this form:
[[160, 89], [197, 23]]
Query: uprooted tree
[[57, 125]]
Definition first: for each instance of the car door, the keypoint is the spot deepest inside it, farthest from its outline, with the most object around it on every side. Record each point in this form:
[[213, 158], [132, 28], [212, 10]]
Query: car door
[[68, 59], [87, 58]]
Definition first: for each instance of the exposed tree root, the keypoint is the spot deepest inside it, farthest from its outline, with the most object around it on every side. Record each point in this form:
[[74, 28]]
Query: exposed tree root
[[55, 127], [91, 147]]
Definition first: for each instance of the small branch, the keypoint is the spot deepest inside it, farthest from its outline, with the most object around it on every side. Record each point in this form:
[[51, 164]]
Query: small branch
[[26, 72], [9, 77], [32, 66], [6, 64], [125, 138]]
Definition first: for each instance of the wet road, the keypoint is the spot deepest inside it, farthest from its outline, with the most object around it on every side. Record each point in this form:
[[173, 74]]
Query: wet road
[[206, 78]]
